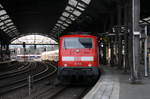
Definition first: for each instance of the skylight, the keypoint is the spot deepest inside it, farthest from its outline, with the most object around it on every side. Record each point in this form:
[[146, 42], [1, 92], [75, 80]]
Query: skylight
[[2, 12], [6, 23], [34, 39], [72, 11]]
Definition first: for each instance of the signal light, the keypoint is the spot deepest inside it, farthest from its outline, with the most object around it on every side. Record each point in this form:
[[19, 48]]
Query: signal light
[[65, 65], [89, 65]]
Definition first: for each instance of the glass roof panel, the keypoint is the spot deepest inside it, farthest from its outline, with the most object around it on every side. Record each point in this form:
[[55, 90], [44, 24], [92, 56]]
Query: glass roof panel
[[8, 32], [62, 18], [2, 12], [15, 31], [4, 17], [63, 27], [65, 24], [11, 27], [77, 13], [2, 27], [86, 1], [79, 7], [1, 23], [73, 2], [55, 27], [59, 22], [72, 17], [5, 29], [71, 12], [70, 9], [65, 14], [9, 24], [1, 6], [68, 21], [7, 21], [58, 25]]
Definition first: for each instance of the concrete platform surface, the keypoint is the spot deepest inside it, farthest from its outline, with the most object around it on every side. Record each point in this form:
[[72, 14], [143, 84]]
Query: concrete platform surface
[[114, 84]]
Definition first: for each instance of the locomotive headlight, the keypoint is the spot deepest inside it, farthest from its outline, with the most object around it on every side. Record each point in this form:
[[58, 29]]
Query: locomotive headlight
[[89, 65], [65, 65]]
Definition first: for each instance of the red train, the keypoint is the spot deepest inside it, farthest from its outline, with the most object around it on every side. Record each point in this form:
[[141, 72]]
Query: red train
[[78, 58]]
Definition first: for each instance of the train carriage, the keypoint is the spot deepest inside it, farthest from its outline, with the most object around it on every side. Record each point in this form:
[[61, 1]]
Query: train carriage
[[78, 58]]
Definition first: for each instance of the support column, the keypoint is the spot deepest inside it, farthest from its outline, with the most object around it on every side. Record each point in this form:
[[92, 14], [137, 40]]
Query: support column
[[104, 52], [112, 51], [120, 56], [116, 50], [126, 16], [119, 37], [112, 41], [145, 53], [135, 64]]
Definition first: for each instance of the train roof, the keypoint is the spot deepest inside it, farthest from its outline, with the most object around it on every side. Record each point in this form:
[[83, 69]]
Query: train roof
[[50, 52], [78, 35]]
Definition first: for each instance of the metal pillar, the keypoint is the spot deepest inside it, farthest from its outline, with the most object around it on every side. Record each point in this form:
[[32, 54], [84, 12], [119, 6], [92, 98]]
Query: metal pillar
[[120, 52], [135, 41], [104, 53], [145, 53], [112, 43], [112, 51], [119, 38], [116, 50], [126, 65]]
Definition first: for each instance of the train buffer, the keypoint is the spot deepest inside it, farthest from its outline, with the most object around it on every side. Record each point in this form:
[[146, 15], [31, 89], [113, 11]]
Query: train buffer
[[114, 84]]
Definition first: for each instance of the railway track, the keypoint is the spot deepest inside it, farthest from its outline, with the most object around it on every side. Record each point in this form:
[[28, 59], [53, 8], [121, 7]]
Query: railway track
[[36, 76], [9, 66], [63, 92], [71, 92], [43, 91], [21, 69]]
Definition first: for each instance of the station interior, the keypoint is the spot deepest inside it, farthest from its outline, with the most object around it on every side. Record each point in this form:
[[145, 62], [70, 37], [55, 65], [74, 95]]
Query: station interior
[[30, 32]]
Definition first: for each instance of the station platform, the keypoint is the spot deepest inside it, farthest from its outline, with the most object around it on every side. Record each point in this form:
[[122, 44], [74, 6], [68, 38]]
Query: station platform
[[115, 84]]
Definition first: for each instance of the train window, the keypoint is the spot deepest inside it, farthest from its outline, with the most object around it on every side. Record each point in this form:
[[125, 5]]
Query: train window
[[75, 42]]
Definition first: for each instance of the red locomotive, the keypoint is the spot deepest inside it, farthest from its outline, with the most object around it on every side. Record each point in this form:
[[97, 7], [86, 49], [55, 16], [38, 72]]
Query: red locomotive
[[78, 58]]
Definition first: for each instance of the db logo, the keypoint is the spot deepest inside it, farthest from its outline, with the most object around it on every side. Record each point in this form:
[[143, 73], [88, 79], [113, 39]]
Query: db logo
[[77, 58]]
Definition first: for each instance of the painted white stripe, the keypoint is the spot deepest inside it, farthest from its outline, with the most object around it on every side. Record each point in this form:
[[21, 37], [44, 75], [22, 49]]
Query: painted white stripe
[[68, 58], [87, 58]]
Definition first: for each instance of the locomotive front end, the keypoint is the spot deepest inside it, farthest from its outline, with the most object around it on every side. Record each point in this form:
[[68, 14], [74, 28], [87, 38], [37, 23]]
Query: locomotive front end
[[78, 58]]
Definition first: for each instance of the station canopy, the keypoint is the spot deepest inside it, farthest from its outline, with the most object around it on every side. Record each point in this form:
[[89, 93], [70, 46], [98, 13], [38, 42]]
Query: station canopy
[[54, 18], [46, 17]]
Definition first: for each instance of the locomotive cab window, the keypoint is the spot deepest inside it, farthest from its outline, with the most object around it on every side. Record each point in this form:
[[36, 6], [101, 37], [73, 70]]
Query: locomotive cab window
[[75, 42]]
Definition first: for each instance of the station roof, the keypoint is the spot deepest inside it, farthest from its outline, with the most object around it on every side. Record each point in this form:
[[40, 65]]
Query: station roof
[[55, 17], [33, 40]]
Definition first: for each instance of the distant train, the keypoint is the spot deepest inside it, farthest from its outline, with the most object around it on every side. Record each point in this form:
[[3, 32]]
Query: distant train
[[78, 58], [50, 55], [27, 57]]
